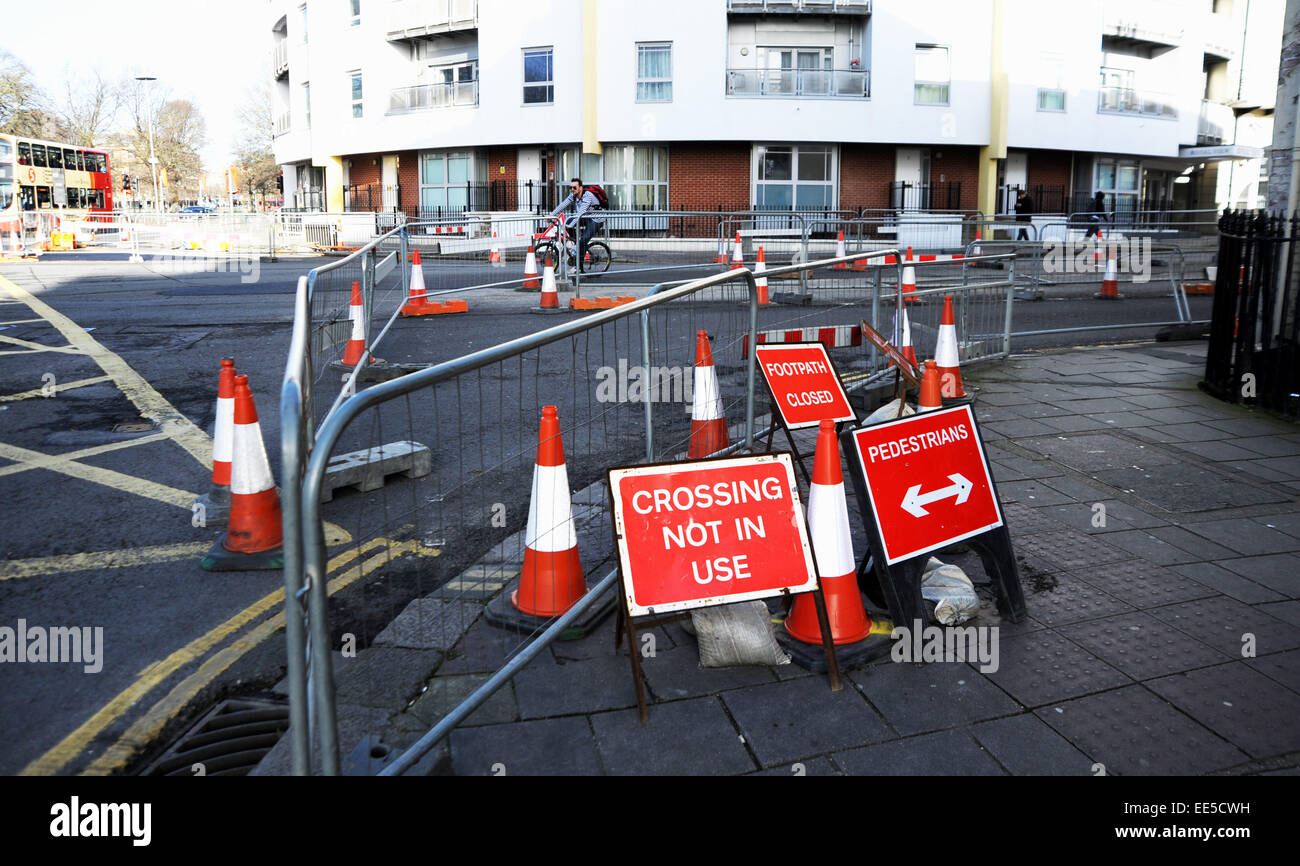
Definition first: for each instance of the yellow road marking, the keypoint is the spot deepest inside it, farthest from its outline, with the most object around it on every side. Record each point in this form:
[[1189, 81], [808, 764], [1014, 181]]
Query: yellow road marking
[[133, 386], [33, 348], [40, 392], [96, 475], [154, 674], [85, 452], [150, 725], [21, 568]]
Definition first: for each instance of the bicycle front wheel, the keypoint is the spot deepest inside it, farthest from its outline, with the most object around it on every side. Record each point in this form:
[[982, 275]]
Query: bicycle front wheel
[[546, 250], [600, 257]]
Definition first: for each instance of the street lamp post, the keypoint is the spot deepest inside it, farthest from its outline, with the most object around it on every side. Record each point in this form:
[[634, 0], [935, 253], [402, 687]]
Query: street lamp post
[[153, 159]]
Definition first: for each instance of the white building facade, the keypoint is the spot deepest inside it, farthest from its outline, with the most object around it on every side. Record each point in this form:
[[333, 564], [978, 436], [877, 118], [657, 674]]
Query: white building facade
[[428, 105]]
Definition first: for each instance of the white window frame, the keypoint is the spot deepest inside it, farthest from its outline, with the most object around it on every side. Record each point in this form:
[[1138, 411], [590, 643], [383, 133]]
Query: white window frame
[[355, 9], [302, 17], [918, 82], [445, 184], [1051, 65], [641, 46], [832, 181], [306, 103], [523, 74], [356, 82]]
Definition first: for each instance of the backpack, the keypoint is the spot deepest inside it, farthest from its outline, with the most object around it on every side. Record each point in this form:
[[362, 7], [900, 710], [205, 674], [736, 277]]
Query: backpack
[[599, 192]]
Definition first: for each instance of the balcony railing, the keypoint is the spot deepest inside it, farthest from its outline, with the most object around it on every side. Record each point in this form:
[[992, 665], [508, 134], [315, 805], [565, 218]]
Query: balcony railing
[[1215, 124], [1123, 100], [280, 57], [282, 123], [409, 19], [799, 83], [424, 97], [816, 7], [1155, 23]]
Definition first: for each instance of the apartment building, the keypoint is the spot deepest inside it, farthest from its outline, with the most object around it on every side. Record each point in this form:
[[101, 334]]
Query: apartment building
[[428, 105]]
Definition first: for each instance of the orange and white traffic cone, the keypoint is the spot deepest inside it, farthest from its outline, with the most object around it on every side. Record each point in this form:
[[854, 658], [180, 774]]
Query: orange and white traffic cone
[[417, 301], [909, 280], [214, 506], [550, 301], [839, 252], [254, 537], [947, 357], [737, 255], [832, 544], [1109, 281], [905, 346], [760, 278], [552, 578], [930, 397], [355, 349], [722, 251], [531, 280], [494, 257], [1096, 252], [977, 249], [708, 421]]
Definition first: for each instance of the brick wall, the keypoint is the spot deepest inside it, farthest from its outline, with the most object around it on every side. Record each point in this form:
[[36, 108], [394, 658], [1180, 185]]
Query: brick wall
[[960, 164], [866, 171], [706, 174], [1050, 168], [408, 178], [366, 168]]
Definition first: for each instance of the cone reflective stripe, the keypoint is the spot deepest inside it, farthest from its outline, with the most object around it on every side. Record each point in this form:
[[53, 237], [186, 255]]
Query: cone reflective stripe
[[905, 341], [1096, 252], [909, 279], [552, 579], [1110, 280], [708, 421], [356, 347], [760, 280], [531, 280], [946, 355], [494, 257], [722, 251], [839, 251], [737, 255], [931, 397], [550, 298], [223, 436], [832, 544]]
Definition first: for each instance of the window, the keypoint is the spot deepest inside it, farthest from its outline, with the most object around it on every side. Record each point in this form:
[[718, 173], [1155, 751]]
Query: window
[[635, 177], [1051, 83], [654, 72], [1119, 183], [306, 101], [355, 76], [100, 162], [24, 153], [539, 77], [38, 156], [356, 12], [445, 179], [55, 157], [794, 177], [459, 84], [932, 75], [302, 16]]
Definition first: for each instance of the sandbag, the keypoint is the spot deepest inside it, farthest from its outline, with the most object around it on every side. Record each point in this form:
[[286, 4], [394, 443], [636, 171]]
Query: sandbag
[[888, 412], [731, 635], [951, 590]]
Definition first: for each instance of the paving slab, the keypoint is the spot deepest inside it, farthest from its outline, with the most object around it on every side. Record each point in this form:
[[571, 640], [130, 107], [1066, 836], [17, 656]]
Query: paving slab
[[1069, 599], [1031, 492], [1069, 550], [1287, 611], [1242, 705], [1141, 543], [1096, 452], [1246, 536], [546, 747], [1184, 539], [430, 623], [1283, 668], [946, 753], [445, 693], [1219, 579], [584, 686], [677, 674], [682, 738], [914, 698], [1223, 623], [1043, 667], [1018, 428], [1279, 572], [1142, 646], [384, 676], [810, 767], [1219, 451], [1027, 746]]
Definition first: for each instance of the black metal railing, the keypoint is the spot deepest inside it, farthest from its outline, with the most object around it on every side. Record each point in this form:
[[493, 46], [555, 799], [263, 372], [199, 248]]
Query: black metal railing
[[904, 195], [1254, 331], [372, 198], [1044, 198]]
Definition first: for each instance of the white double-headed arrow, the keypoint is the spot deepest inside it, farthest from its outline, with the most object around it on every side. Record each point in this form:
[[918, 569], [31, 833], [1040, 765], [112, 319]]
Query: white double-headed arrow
[[915, 501]]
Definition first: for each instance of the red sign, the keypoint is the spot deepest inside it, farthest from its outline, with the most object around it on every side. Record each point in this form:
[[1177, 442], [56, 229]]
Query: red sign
[[710, 532], [803, 383], [895, 357], [927, 480]]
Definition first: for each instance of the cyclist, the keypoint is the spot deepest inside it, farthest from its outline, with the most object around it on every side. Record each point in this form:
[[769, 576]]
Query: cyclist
[[583, 200]]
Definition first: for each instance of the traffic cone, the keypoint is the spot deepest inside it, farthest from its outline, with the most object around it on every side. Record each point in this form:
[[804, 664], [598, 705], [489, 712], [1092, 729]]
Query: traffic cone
[[905, 343], [253, 535], [417, 302], [722, 252], [976, 250], [552, 578], [550, 301], [356, 347], [930, 397], [214, 506], [708, 421], [494, 257], [909, 280], [832, 544], [530, 270], [839, 252], [760, 279], [1110, 281], [737, 255], [946, 355], [15, 245], [1096, 252]]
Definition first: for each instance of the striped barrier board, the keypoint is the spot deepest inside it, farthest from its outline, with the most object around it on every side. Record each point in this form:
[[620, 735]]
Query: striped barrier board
[[831, 336]]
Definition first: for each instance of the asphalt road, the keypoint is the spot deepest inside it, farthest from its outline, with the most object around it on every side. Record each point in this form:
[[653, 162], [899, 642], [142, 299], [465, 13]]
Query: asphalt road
[[97, 529]]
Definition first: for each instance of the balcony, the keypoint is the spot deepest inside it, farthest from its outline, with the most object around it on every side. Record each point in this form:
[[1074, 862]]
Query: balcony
[[1149, 27], [1122, 100], [282, 123], [807, 7], [1215, 125], [425, 97], [280, 58], [799, 83], [412, 19]]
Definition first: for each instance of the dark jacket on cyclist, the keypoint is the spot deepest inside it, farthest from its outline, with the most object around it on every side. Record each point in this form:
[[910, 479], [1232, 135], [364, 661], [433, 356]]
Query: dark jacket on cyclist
[[594, 221]]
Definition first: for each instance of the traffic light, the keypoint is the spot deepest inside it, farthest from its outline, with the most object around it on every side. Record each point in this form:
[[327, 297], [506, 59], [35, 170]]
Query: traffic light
[[126, 182]]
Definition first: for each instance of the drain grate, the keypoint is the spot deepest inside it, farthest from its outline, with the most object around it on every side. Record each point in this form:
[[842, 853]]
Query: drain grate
[[229, 740]]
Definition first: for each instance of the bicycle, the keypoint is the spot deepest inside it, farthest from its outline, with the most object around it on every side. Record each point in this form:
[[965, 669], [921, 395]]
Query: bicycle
[[556, 240]]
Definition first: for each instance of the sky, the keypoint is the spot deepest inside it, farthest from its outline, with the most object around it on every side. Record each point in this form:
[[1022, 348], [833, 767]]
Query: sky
[[208, 52]]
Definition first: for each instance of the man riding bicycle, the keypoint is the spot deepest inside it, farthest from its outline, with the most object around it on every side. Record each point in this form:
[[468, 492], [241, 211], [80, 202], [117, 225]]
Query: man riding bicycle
[[584, 199]]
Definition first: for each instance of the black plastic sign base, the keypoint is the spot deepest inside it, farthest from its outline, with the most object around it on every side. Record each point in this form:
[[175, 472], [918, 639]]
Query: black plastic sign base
[[502, 613]]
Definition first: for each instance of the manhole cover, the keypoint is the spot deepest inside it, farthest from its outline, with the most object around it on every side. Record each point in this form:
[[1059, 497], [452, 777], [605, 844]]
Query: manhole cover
[[230, 740]]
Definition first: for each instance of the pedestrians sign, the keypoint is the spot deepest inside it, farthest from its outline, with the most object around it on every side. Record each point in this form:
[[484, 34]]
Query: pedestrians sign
[[804, 384], [927, 481], [710, 532]]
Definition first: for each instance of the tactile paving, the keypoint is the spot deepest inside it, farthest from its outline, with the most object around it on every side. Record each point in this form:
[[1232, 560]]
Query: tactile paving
[[1072, 600], [1144, 584], [1071, 550], [1241, 705], [1042, 667], [1142, 646]]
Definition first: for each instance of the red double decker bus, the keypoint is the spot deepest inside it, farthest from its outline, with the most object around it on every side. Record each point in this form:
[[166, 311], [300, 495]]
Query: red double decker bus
[[38, 176]]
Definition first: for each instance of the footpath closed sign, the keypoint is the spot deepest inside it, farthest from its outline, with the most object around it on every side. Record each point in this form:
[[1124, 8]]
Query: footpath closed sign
[[927, 481], [710, 532], [803, 383]]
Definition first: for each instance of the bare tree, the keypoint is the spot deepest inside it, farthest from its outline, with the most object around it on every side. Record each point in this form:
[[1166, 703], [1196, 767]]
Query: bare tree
[[258, 170], [24, 108], [179, 133], [90, 107]]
